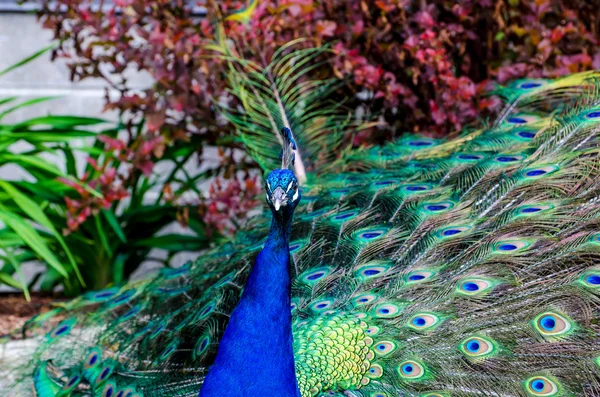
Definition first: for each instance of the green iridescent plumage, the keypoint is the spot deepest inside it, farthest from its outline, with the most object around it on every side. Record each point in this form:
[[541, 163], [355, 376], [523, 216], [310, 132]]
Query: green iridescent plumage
[[426, 267]]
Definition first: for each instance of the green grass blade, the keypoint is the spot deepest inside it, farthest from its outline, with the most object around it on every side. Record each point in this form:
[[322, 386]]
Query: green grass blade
[[25, 104], [6, 100], [102, 235], [114, 224], [22, 285], [36, 213], [10, 281], [30, 58], [59, 122], [31, 237]]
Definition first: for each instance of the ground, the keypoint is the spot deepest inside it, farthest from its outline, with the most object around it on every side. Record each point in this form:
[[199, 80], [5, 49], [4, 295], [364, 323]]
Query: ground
[[15, 310]]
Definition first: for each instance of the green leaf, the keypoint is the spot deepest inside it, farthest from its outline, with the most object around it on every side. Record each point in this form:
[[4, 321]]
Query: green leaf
[[32, 239], [499, 36], [6, 100], [102, 235], [119, 269], [59, 122], [10, 238], [30, 161], [30, 207], [30, 102], [9, 280], [50, 279], [114, 223], [49, 136], [35, 212], [30, 58], [16, 265], [70, 160]]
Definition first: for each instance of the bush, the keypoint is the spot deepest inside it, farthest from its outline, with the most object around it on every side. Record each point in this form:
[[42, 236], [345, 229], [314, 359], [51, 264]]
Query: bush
[[91, 224], [422, 65], [95, 227], [428, 61]]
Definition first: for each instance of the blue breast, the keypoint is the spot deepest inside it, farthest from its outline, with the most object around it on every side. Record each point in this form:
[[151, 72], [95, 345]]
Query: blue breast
[[256, 356]]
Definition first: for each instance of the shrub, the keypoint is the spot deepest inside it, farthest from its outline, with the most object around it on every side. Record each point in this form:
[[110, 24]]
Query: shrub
[[91, 225], [111, 218], [428, 61], [422, 65]]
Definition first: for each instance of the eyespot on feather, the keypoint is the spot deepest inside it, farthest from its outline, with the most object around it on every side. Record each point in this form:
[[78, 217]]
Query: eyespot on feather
[[590, 279], [71, 383], [437, 208], [418, 276], [104, 374], [424, 321], [321, 305], [452, 231], [373, 330], [370, 234], [102, 295], [92, 359], [62, 329], [478, 348], [411, 370], [508, 159], [552, 325], [384, 348], [313, 276], [343, 216], [511, 246], [521, 119], [415, 189], [469, 157], [387, 310], [375, 371], [475, 286], [539, 172], [364, 299], [371, 270], [541, 386], [109, 389], [122, 298], [130, 313]]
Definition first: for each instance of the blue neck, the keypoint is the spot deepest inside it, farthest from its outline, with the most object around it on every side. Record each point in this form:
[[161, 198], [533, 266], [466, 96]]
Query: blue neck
[[256, 356]]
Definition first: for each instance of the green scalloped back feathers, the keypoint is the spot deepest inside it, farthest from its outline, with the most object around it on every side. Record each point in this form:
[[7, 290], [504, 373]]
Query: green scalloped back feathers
[[442, 268]]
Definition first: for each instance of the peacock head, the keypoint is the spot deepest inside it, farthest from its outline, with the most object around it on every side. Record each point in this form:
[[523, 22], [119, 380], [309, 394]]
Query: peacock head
[[283, 194]]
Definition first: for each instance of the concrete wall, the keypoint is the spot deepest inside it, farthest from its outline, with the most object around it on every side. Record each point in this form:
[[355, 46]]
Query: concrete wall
[[20, 36]]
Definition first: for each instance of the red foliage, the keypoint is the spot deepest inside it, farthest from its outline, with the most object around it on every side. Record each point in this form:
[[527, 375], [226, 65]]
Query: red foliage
[[422, 64], [106, 181], [426, 60], [229, 203]]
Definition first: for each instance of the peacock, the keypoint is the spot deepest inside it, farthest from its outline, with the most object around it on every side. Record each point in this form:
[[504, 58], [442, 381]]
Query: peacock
[[424, 267]]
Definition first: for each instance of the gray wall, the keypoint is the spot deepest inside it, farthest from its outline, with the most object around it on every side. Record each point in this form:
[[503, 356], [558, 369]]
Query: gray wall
[[20, 36]]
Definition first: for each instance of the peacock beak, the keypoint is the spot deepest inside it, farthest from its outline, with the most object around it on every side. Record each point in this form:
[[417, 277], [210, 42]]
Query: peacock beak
[[279, 198]]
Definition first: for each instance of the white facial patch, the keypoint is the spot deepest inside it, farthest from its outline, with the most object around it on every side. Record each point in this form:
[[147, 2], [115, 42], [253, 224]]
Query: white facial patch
[[289, 186], [296, 195]]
